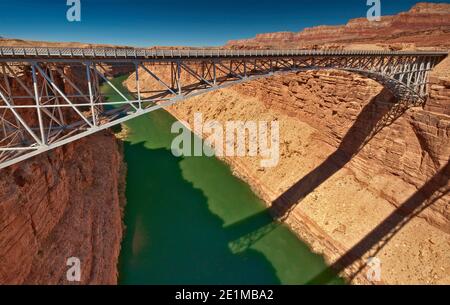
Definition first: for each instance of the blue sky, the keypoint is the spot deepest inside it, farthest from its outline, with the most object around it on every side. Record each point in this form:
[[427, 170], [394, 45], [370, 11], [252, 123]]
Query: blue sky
[[176, 22]]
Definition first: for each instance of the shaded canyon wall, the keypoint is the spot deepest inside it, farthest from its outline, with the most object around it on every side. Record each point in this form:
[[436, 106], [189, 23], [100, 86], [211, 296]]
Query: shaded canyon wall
[[63, 203]]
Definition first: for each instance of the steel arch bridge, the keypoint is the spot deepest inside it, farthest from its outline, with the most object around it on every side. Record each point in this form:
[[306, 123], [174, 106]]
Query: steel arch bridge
[[51, 96]]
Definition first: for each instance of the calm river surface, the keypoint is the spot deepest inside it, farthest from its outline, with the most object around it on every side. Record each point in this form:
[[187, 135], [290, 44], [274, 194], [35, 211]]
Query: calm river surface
[[190, 221]]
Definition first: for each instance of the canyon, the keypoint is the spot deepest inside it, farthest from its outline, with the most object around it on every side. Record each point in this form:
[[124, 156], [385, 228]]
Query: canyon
[[359, 175], [349, 160], [61, 204], [341, 175]]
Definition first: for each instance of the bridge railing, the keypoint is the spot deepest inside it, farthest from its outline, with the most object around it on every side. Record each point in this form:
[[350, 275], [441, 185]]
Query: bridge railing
[[130, 53]]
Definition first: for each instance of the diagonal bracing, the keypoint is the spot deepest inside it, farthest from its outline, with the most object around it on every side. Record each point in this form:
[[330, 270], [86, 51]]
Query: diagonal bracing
[[51, 96]]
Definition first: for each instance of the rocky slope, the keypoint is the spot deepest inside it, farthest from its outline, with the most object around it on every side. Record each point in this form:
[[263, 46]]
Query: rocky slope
[[425, 25]]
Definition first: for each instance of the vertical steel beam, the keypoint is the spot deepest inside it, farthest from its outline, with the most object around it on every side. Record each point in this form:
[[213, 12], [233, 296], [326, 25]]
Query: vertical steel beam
[[179, 78], [91, 94], [60, 113], [214, 73], [38, 104], [138, 87]]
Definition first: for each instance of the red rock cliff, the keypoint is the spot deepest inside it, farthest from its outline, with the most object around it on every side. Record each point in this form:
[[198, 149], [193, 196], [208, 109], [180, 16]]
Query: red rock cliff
[[60, 204], [425, 25], [394, 150]]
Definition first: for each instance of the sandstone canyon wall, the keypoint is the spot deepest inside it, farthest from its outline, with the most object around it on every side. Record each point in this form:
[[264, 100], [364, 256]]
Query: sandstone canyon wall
[[63, 203]]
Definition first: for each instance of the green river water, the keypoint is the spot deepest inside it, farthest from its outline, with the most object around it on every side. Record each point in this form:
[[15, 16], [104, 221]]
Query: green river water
[[190, 221]]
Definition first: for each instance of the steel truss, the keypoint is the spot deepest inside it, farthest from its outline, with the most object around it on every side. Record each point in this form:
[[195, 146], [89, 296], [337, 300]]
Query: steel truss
[[50, 97]]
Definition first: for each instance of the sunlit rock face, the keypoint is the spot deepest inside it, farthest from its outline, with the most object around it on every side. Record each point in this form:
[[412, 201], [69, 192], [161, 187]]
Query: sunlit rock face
[[425, 25]]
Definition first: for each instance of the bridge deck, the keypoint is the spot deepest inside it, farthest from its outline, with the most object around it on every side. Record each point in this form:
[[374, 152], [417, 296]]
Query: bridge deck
[[8, 53]]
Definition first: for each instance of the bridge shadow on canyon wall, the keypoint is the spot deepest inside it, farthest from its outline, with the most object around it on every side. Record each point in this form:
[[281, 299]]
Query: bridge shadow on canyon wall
[[380, 112], [377, 114], [434, 189]]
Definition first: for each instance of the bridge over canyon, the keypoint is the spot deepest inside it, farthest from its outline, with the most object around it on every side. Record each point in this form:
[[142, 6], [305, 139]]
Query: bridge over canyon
[[51, 96]]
